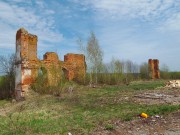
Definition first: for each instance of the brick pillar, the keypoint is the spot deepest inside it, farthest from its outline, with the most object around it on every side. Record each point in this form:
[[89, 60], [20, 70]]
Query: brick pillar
[[26, 54], [154, 72]]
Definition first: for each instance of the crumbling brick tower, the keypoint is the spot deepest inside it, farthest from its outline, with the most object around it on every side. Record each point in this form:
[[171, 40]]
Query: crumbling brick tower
[[154, 72], [27, 64], [26, 53]]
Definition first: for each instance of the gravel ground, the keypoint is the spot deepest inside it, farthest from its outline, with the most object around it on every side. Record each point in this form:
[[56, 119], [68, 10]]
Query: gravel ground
[[154, 125]]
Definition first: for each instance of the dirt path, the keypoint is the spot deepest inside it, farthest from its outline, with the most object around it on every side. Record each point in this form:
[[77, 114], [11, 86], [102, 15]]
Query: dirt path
[[166, 125], [159, 125], [162, 96]]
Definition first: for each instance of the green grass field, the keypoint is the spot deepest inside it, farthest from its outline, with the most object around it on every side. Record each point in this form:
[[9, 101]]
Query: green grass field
[[79, 112]]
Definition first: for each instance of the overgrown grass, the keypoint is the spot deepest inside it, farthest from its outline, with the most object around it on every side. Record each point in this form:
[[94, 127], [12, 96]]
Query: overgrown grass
[[148, 85], [3, 102], [79, 112]]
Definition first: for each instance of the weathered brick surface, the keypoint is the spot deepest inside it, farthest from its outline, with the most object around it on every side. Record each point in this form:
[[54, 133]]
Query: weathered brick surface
[[28, 65], [74, 66], [154, 72], [52, 66]]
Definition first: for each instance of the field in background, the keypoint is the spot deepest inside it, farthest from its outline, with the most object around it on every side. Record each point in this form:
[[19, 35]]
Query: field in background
[[80, 111]]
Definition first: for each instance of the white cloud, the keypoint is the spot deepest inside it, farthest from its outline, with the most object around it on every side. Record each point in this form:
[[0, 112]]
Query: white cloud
[[13, 16], [126, 29], [120, 9], [19, 1], [40, 3], [172, 24]]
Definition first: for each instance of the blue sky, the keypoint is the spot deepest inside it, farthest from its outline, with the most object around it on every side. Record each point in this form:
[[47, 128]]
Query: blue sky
[[126, 29]]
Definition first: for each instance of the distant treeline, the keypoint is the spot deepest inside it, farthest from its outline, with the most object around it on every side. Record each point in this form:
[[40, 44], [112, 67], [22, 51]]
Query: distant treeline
[[170, 75], [126, 78], [116, 71]]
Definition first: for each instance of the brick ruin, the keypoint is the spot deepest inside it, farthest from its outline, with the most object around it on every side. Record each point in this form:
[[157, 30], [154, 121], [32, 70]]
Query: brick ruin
[[154, 72], [28, 66]]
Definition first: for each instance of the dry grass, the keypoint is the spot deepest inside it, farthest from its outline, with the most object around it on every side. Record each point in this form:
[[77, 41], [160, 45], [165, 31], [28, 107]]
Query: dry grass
[[79, 111]]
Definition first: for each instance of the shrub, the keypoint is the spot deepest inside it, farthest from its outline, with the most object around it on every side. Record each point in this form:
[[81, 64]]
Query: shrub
[[41, 86], [109, 127], [7, 85]]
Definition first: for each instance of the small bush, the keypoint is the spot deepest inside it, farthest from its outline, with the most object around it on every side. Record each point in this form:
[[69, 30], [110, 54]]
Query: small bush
[[41, 86], [7, 85], [109, 127], [128, 117]]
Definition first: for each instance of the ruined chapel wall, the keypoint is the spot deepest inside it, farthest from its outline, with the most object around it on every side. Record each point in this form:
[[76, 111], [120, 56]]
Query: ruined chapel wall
[[22, 40], [154, 72], [21, 43], [26, 51], [52, 65], [151, 68], [156, 69], [28, 65], [75, 66], [32, 47]]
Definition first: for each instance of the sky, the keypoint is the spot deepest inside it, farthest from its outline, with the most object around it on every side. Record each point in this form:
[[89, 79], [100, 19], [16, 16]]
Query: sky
[[133, 30]]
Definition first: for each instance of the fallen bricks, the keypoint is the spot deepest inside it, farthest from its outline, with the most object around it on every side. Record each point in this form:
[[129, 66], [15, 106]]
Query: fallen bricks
[[173, 84]]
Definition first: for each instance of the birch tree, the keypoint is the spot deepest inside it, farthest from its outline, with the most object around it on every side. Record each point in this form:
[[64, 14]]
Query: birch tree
[[94, 55]]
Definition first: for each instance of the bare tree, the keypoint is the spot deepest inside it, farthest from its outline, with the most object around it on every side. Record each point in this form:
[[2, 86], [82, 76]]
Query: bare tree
[[118, 66], [95, 54], [7, 65], [164, 71], [144, 72], [7, 69], [128, 71], [118, 70], [129, 65]]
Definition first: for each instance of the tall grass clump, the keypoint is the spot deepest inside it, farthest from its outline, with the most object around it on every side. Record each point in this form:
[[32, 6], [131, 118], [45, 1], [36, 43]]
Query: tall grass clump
[[41, 85]]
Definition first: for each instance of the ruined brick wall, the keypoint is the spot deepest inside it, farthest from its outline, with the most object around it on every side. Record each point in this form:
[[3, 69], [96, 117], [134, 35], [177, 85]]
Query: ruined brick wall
[[74, 67], [154, 72], [52, 66], [28, 65]]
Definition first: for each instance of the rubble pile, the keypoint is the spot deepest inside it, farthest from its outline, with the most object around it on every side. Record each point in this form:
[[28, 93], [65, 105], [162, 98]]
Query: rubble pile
[[173, 84]]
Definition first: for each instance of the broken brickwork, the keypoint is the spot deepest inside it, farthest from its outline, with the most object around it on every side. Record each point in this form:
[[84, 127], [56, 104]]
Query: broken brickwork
[[73, 66], [154, 72], [28, 65]]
